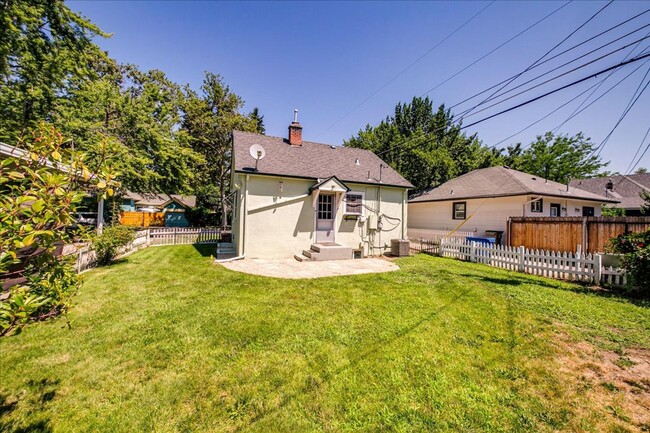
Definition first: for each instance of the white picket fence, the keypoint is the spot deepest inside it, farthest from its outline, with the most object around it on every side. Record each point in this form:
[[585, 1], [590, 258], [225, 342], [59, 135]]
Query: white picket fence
[[431, 235], [183, 236], [581, 267], [86, 258]]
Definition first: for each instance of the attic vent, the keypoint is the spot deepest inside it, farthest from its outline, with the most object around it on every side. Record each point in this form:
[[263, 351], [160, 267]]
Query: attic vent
[[356, 162], [534, 178], [332, 147]]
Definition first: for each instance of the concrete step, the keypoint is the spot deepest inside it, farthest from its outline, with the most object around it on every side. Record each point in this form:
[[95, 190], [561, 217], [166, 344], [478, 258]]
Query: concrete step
[[226, 256], [308, 253], [301, 258], [330, 252]]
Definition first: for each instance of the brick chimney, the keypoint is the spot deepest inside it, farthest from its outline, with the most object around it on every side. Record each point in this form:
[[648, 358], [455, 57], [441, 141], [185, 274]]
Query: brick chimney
[[295, 131]]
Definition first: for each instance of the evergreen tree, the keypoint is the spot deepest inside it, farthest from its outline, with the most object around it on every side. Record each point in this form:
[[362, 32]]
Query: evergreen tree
[[207, 124], [44, 49], [258, 121]]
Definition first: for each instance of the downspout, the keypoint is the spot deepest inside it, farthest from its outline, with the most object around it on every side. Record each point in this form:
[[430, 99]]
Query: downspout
[[244, 217], [379, 212], [404, 199], [523, 206]]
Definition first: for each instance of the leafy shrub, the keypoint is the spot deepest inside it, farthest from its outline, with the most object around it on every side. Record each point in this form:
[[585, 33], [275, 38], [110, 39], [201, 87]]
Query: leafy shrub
[[39, 195], [107, 245], [635, 259]]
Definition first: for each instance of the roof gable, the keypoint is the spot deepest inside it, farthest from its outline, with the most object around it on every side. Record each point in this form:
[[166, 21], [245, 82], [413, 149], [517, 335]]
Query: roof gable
[[330, 184], [503, 182], [626, 188], [312, 161]]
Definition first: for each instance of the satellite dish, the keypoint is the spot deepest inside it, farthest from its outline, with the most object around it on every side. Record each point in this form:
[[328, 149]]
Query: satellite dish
[[257, 152]]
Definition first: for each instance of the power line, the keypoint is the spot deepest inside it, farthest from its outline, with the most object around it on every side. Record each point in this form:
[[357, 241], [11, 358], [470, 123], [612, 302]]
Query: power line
[[578, 109], [564, 52], [628, 170], [496, 92], [559, 89], [619, 65], [546, 116], [495, 49], [627, 109], [584, 65], [575, 112], [406, 69], [640, 157]]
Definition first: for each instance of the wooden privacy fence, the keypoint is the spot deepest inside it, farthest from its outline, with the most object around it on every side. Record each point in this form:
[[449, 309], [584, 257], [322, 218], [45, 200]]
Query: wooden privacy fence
[[588, 234], [581, 267], [142, 219]]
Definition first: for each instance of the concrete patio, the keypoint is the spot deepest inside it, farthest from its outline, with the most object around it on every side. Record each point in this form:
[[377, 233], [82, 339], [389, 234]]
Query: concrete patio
[[290, 268]]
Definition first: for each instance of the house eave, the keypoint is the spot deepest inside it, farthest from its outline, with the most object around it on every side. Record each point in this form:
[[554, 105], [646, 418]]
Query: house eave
[[456, 198], [289, 176]]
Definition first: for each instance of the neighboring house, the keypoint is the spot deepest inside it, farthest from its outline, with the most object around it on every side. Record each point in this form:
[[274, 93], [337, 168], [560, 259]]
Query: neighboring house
[[174, 206], [624, 188], [482, 200], [312, 200]]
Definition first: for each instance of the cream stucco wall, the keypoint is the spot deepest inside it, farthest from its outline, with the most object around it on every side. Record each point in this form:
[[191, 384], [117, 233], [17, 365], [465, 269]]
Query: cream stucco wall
[[488, 214], [270, 223]]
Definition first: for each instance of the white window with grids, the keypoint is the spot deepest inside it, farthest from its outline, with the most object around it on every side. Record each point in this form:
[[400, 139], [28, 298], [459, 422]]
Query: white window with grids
[[354, 203]]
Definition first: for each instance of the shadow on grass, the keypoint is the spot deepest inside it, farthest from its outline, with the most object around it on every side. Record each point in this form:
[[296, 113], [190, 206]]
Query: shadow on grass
[[206, 250], [41, 393], [375, 348], [570, 286]]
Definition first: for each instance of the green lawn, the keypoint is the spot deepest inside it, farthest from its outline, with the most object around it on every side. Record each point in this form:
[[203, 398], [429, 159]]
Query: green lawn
[[167, 341]]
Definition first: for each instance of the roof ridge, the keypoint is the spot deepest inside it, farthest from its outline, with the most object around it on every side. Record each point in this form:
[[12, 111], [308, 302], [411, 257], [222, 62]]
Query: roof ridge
[[635, 182], [304, 141], [520, 183]]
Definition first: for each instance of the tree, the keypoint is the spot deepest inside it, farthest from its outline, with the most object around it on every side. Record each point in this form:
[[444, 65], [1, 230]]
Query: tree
[[424, 145], [641, 170], [139, 112], [258, 121], [207, 123], [557, 157], [645, 207], [44, 49], [39, 194]]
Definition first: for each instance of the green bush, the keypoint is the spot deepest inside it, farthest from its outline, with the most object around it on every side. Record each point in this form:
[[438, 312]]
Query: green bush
[[107, 244], [39, 195], [635, 259]]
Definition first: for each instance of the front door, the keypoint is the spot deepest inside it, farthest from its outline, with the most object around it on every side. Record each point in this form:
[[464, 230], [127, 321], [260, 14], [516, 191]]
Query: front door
[[325, 218]]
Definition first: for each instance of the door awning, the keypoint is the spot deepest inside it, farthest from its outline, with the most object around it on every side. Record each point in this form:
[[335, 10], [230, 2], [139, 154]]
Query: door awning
[[331, 184]]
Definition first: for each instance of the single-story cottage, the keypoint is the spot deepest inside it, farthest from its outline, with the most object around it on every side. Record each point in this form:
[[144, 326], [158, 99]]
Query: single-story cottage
[[313, 201], [626, 189], [483, 199], [173, 206]]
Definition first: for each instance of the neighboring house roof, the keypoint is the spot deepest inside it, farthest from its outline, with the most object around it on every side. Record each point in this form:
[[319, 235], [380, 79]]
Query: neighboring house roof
[[160, 200], [312, 161], [503, 182], [626, 188]]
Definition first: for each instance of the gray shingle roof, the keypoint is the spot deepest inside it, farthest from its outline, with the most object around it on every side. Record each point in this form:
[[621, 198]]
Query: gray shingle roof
[[312, 161], [503, 182], [156, 200], [626, 188]]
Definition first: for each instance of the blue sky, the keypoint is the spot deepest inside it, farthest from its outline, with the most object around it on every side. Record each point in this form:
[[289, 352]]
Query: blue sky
[[326, 58]]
